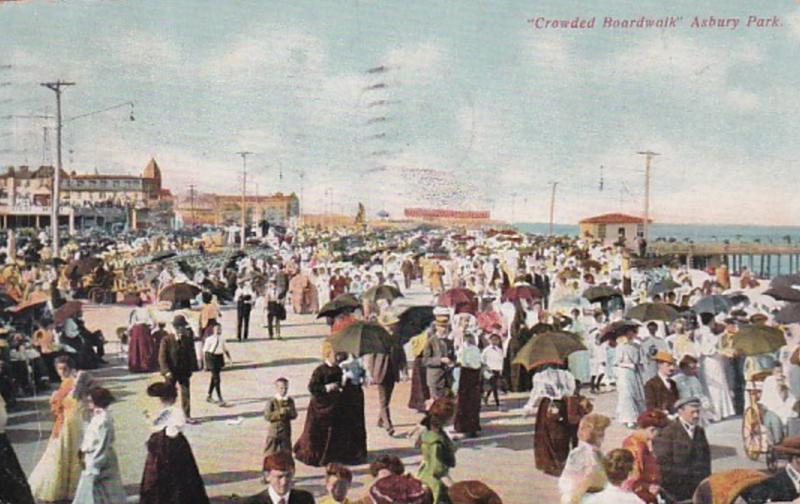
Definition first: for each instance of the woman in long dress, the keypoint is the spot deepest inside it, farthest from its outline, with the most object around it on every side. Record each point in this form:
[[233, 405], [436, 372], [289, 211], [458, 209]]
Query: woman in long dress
[[645, 478], [419, 393], [712, 369], [354, 443], [56, 475], [14, 488], [170, 470], [142, 353], [100, 481], [468, 402], [322, 439], [584, 472], [552, 436], [630, 391]]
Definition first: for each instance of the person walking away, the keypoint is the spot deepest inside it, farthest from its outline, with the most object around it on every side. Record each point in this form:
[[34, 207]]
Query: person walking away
[[438, 451], [177, 361], [683, 452], [553, 436], [142, 354], [618, 465], [243, 297], [215, 351], [630, 392], [383, 371], [279, 412], [100, 481], [170, 473]]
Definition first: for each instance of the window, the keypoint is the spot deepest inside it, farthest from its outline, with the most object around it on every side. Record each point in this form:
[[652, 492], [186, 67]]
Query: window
[[621, 232], [601, 231]]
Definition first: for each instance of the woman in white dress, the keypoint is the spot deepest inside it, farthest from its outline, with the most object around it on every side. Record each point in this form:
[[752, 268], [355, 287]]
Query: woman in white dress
[[100, 481], [712, 369], [630, 391]]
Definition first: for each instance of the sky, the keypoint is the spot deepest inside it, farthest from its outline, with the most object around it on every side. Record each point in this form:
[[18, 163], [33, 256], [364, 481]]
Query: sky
[[401, 104]]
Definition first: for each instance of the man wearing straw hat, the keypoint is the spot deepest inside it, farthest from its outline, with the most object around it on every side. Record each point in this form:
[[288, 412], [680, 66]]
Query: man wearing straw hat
[[437, 357], [661, 392]]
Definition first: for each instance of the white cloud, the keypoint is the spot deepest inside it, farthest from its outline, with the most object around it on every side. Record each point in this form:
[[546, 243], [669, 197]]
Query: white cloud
[[141, 49], [419, 63], [793, 22], [548, 51]]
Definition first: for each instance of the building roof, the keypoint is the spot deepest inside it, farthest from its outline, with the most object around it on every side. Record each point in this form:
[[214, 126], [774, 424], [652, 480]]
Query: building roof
[[152, 170], [614, 218]]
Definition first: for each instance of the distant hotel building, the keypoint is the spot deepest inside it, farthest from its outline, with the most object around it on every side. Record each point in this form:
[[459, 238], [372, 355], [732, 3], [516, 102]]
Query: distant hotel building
[[87, 200], [221, 209]]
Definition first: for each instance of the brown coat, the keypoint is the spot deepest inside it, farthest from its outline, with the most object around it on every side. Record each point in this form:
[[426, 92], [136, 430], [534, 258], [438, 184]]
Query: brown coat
[[658, 397]]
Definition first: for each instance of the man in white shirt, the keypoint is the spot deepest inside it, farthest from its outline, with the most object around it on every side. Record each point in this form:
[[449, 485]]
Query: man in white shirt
[[244, 298]]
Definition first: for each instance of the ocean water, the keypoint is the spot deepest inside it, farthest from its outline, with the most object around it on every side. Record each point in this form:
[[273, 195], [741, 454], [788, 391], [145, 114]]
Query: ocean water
[[700, 233]]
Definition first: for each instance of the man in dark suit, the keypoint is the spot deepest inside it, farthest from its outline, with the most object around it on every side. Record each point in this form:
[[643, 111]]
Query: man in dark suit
[[279, 473], [683, 453], [177, 360], [784, 486], [383, 370], [542, 283], [661, 392]]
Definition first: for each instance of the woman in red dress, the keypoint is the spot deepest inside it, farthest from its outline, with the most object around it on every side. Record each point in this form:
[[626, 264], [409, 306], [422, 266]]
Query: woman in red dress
[[645, 479]]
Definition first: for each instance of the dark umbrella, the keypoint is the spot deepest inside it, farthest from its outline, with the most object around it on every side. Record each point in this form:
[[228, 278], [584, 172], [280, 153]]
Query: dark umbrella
[[179, 292], [548, 348], [6, 301], [616, 329], [663, 286], [600, 293], [340, 304], [521, 292], [387, 292], [66, 311], [737, 298], [789, 294], [413, 321], [755, 339], [83, 266], [653, 311], [163, 256], [713, 304], [789, 314], [361, 338], [455, 297], [785, 280]]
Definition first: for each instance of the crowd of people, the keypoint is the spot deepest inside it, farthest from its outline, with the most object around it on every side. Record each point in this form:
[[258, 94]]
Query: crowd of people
[[660, 336]]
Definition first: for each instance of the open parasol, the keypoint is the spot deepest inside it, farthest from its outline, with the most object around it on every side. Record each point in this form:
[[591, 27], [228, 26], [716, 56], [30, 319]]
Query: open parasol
[[66, 311], [413, 321], [786, 281], [713, 304], [790, 314], [653, 311], [600, 293], [520, 292], [755, 339], [387, 292], [361, 338], [454, 297], [181, 291], [338, 305], [663, 286], [783, 293], [36, 299], [616, 329], [548, 348]]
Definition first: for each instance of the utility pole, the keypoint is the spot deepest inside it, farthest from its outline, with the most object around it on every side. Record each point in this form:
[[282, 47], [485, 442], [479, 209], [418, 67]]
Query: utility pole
[[244, 155], [56, 193], [552, 204], [302, 178], [648, 157], [191, 199]]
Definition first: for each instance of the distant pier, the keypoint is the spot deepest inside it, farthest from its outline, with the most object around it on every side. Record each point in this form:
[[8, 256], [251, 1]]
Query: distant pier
[[764, 260]]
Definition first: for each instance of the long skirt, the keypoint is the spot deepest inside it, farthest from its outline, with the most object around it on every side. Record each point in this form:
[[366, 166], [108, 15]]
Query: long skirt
[[329, 434], [552, 437], [630, 396], [56, 475], [716, 386], [468, 404], [419, 387], [142, 354], [14, 488], [353, 425], [170, 472], [103, 488]]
